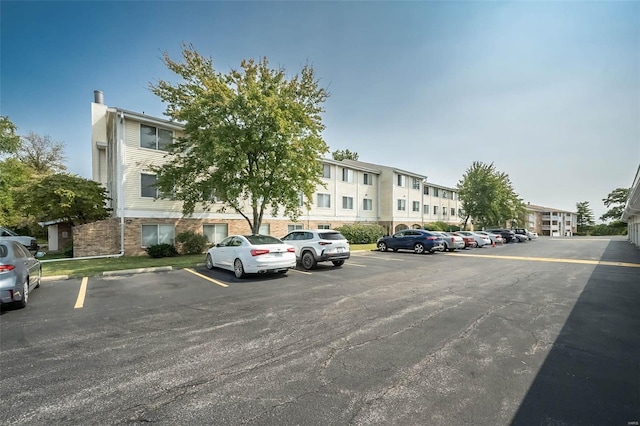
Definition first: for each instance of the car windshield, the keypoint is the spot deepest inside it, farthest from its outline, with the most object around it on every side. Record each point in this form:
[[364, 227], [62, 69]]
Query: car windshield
[[262, 239], [331, 236]]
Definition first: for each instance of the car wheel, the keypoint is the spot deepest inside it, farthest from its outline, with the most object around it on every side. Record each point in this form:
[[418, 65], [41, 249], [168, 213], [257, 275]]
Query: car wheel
[[238, 269], [382, 246], [418, 248], [337, 262], [308, 261], [209, 261], [25, 295]]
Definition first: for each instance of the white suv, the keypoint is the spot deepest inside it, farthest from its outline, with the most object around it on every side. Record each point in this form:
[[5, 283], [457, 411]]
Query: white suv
[[318, 245]]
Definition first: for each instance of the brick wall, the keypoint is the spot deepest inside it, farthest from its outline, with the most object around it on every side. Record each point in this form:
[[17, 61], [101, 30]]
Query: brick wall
[[96, 238]]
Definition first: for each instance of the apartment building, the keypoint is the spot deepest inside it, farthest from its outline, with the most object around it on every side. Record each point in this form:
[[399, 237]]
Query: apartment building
[[551, 222], [124, 144], [631, 213]]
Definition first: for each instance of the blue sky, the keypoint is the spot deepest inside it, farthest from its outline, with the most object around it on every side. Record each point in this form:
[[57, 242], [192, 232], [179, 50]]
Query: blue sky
[[549, 92]]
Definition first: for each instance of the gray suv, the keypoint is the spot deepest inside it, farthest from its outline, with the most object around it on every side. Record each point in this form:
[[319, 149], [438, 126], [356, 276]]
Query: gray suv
[[318, 245]]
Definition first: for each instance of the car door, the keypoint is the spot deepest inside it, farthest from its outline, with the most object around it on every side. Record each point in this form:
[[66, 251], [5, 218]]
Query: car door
[[221, 254], [32, 265], [396, 241], [25, 264]]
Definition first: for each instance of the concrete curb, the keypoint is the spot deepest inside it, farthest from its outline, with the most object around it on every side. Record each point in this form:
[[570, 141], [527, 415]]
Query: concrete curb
[[55, 278], [137, 271]]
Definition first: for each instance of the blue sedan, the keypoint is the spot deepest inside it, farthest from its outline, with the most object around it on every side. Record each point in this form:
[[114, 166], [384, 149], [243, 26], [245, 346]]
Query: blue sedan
[[418, 240]]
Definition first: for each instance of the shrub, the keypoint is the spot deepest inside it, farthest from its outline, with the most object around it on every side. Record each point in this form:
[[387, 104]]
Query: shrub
[[361, 234], [161, 250], [191, 243]]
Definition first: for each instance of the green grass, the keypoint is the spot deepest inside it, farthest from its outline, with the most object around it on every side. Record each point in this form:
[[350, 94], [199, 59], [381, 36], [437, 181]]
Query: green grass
[[90, 267]]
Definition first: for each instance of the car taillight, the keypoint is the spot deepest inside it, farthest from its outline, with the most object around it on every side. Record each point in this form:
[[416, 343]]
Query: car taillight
[[7, 268], [324, 243], [291, 250], [258, 252]]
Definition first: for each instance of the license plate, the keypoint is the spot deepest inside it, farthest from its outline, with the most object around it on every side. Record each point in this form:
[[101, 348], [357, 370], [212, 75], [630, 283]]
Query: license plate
[[339, 249], [278, 254]]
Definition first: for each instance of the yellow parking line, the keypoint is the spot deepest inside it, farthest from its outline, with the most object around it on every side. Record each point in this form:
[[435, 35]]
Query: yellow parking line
[[301, 272], [220, 283], [553, 260], [82, 293]]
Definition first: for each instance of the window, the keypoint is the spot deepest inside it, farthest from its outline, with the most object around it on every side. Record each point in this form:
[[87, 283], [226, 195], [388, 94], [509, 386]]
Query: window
[[324, 226], [367, 204], [300, 199], [453, 195], [294, 226], [326, 171], [155, 137], [435, 192], [215, 232], [324, 200], [444, 194], [415, 184], [148, 186], [367, 178], [347, 203], [425, 209], [460, 213], [157, 234], [415, 206], [347, 175], [425, 190], [402, 205], [444, 211], [401, 180], [435, 210], [453, 211], [265, 229], [568, 223]]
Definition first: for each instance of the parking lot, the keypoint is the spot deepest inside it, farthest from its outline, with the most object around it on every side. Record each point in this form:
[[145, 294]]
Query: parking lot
[[543, 332]]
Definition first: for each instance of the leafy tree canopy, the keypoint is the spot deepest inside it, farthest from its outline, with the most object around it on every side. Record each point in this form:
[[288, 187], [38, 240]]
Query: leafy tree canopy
[[42, 154], [340, 155], [585, 216], [65, 197], [252, 137], [615, 202], [9, 141], [14, 175], [488, 196]]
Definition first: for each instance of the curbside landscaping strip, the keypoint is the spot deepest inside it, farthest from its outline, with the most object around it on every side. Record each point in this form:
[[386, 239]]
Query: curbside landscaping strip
[[137, 271], [54, 278]]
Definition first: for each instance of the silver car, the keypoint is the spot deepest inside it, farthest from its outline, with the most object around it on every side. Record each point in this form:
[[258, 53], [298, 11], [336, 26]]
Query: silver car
[[20, 272]]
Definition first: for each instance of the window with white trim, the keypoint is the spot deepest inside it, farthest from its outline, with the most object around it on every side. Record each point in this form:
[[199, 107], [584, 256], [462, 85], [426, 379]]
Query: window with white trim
[[435, 210], [326, 171], [425, 190], [294, 227], [347, 203], [148, 187], [453, 211], [324, 226], [215, 232], [324, 200], [155, 137], [367, 178], [415, 183], [347, 175], [367, 204], [415, 206], [402, 205], [444, 211], [425, 209], [157, 234], [265, 229], [435, 192], [401, 180]]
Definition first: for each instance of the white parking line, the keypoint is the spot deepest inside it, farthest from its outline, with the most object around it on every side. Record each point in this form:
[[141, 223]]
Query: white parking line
[[354, 264], [368, 256], [301, 272]]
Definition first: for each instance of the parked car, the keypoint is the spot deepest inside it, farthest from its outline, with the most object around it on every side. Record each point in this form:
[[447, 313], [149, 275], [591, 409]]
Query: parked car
[[29, 242], [481, 240], [418, 240], [468, 241], [451, 241], [521, 238], [523, 231], [20, 272], [533, 234], [318, 245], [507, 235], [496, 239], [251, 254]]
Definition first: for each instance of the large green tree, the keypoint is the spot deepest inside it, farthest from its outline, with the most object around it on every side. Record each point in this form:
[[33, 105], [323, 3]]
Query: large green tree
[[42, 154], [615, 202], [252, 137], [345, 154], [9, 140], [14, 175], [488, 196], [65, 197], [585, 216]]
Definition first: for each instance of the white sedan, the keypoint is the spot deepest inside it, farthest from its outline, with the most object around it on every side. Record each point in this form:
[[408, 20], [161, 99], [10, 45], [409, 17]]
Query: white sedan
[[251, 254]]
